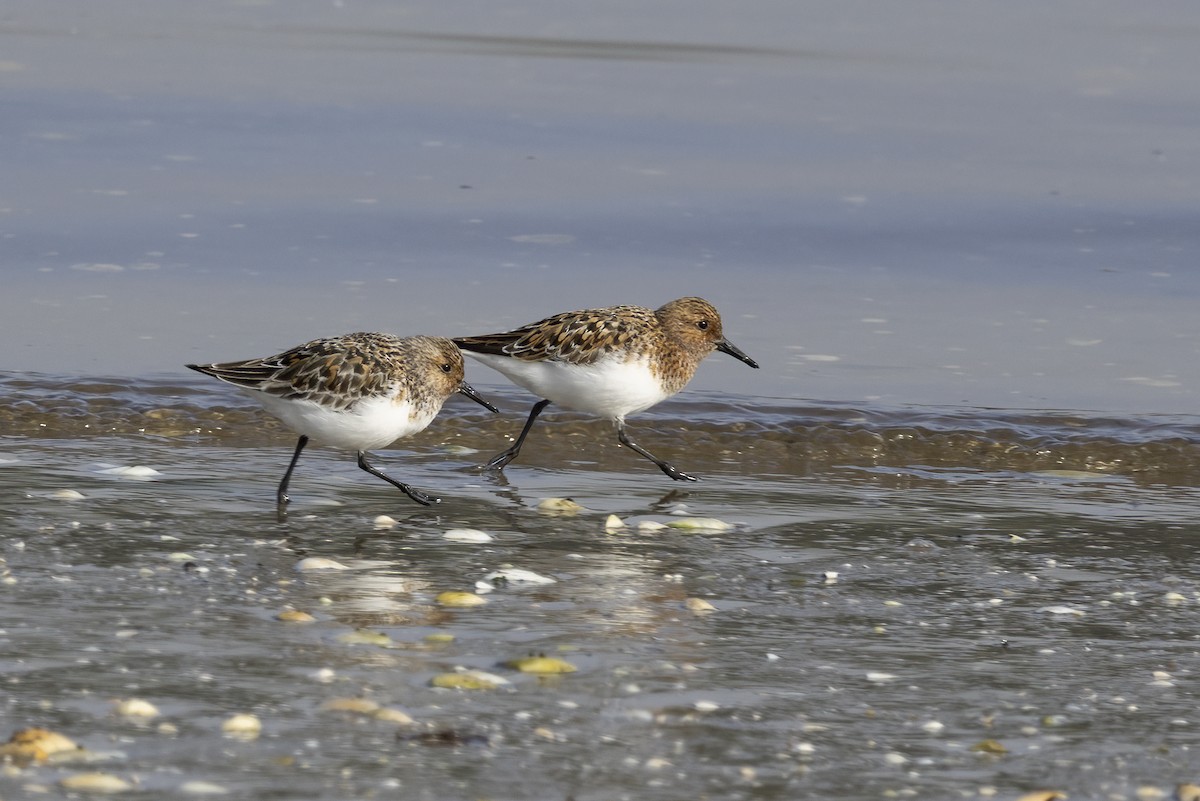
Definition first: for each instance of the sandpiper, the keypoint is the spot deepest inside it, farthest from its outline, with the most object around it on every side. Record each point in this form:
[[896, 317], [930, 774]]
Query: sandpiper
[[609, 362], [358, 392]]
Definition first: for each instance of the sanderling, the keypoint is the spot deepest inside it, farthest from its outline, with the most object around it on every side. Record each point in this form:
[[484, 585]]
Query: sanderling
[[608, 362], [359, 392]]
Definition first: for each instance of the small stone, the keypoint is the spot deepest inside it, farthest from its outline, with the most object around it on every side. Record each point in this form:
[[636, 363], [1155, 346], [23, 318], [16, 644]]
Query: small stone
[[699, 605]]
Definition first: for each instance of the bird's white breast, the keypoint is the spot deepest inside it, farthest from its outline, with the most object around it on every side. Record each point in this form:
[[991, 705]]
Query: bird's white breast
[[611, 388], [369, 424]]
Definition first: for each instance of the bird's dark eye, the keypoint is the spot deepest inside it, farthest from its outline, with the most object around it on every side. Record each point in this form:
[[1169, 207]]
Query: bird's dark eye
[[702, 325], [446, 367]]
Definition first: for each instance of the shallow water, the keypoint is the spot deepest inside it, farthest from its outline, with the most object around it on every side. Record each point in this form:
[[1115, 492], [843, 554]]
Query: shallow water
[[1022, 578], [960, 240]]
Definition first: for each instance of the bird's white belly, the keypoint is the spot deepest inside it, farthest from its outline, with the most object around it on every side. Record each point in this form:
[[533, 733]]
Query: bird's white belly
[[368, 425], [610, 388]]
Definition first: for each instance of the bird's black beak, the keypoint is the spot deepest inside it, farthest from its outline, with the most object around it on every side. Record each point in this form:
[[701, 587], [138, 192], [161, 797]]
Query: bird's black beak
[[725, 346], [470, 392]]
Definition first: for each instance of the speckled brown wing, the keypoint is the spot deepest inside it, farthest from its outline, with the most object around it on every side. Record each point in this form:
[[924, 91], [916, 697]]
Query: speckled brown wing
[[335, 372], [579, 337]]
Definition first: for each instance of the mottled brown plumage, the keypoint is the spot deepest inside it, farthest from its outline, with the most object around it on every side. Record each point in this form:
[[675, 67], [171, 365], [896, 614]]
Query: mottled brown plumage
[[339, 372]]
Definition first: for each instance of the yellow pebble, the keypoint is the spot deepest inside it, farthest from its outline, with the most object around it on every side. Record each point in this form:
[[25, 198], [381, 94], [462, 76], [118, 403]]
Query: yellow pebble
[[360, 706], [36, 744], [542, 664], [461, 681], [294, 616], [460, 598]]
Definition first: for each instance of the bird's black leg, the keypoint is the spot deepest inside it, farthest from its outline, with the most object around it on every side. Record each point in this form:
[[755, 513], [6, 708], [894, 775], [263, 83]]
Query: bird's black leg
[[501, 459], [416, 495], [281, 497], [666, 467]]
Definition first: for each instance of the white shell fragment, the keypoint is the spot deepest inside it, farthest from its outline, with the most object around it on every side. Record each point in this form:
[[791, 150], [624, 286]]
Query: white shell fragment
[[96, 783], [512, 575], [132, 471], [66, 495], [612, 523], [1063, 610], [319, 563], [384, 522], [202, 788], [559, 506], [467, 535], [650, 525], [700, 524], [135, 708], [242, 726], [879, 677]]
